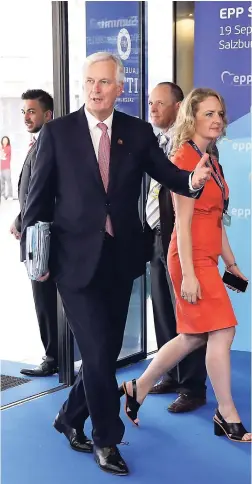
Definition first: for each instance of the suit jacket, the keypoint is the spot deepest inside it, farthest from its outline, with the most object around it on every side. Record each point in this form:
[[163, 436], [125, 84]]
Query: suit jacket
[[66, 188], [167, 219], [167, 216], [23, 183]]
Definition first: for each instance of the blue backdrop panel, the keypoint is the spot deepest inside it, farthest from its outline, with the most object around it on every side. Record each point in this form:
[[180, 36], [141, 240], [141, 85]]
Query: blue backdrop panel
[[114, 27], [223, 44]]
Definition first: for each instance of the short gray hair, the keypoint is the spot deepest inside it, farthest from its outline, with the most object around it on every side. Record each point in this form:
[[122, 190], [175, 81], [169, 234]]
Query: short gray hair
[[105, 56]]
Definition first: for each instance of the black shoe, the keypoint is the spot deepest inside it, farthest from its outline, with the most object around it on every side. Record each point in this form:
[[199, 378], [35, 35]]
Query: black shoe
[[131, 404], [46, 368], [233, 431], [186, 403], [164, 387], [110, 460], [76, 437]]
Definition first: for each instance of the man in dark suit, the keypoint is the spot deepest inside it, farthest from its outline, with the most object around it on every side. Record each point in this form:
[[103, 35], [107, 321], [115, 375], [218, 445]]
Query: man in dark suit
[[189, 376], [87, 181], [38, 110]]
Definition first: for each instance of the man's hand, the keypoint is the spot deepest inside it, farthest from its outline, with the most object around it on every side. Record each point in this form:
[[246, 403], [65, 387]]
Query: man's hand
[[44, 278], [202, 173], [15, 232]]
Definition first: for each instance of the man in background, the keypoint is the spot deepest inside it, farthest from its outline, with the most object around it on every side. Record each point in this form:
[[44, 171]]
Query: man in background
[[189, 376], [38, 110]]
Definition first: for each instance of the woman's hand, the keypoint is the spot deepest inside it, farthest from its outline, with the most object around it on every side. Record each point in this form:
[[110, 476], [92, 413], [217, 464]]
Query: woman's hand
[[236, 271], [190, 289]]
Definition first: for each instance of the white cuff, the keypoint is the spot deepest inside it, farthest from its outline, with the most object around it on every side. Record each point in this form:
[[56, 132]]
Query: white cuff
[[193, 190]]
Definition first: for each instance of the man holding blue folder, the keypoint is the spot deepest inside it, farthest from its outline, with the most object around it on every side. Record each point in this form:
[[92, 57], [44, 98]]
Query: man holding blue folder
[[38, 110]]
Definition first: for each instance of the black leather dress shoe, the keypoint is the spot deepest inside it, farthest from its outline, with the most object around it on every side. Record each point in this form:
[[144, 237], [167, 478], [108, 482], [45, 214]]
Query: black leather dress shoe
[[76, 437], [46, 368], [164, 387], [110, 460], [186, 403]]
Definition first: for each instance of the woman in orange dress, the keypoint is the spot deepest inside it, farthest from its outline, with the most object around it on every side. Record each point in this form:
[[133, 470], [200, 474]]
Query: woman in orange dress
[[203, 309]]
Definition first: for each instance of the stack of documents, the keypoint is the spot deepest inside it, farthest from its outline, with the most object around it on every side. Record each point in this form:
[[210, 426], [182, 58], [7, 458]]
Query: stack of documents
[[37, 249]]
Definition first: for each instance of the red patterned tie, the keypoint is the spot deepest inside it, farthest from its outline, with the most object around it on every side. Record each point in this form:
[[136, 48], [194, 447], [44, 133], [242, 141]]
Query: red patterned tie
[[103, 161], [33, 139]]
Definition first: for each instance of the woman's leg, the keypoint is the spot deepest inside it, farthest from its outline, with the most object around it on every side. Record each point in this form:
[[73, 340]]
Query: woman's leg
[[218, 369], [167, 357], [3, 184]]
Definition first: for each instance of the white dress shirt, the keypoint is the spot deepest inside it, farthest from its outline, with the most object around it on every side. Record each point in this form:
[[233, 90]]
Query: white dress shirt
[[36, 135], [168, 134], [95, 131]]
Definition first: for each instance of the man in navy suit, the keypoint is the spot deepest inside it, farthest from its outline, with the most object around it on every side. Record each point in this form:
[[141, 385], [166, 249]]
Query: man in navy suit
[[87, 181]]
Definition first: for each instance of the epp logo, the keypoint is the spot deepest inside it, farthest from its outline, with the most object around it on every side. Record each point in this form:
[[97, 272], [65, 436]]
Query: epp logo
[[232, 79], [124, 44]]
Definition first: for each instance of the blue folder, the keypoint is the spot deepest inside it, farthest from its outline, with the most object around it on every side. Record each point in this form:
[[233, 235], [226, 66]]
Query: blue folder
[[37, 249]]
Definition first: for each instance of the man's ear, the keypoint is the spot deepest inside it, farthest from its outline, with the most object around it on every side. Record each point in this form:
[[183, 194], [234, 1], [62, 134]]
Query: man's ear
[[178, 106], [120, 89], [48, 116]]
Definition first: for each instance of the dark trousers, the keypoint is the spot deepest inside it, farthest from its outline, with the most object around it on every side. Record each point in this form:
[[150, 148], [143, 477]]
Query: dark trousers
[[97, 315], [190, 374], [45, 299]]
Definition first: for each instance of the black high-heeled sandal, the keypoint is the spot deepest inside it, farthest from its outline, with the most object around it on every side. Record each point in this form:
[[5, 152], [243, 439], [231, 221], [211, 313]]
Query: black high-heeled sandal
[[233, 431], [121, 391], [131, 406]]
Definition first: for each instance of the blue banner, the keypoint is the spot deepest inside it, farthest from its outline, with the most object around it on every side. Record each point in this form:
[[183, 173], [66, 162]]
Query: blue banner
[[223, 48], [114, 27]]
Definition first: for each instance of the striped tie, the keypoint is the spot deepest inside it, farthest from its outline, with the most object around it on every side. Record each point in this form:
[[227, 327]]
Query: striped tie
[[103, 162], [152, 206]]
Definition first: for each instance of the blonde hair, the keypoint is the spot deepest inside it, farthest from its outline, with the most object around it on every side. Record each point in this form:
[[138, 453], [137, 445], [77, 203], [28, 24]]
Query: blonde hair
[[105, 56], [184, 127]]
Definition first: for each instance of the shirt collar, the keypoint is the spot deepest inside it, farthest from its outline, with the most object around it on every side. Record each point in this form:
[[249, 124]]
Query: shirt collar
[[168, 132], [93, 121], [36, 135]]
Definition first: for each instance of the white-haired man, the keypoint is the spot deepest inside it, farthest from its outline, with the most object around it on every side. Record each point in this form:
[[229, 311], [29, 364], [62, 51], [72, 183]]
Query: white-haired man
[[90, 164]]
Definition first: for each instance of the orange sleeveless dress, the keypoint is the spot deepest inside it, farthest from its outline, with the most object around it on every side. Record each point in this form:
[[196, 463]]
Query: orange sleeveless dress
[[214, 311]]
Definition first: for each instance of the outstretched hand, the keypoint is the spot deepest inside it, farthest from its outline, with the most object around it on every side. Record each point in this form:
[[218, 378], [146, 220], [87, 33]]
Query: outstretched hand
[[202, 172]]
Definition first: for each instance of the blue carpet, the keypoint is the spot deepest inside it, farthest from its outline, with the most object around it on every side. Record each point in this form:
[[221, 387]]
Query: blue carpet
[[166, 448], [33, 387]]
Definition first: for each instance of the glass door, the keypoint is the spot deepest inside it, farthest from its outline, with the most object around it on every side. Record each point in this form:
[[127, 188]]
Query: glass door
[[116, 27], [24, 65]]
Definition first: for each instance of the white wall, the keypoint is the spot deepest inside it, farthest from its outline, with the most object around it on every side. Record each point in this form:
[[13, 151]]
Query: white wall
[[185, 54], [160, 41], [160, 68]]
